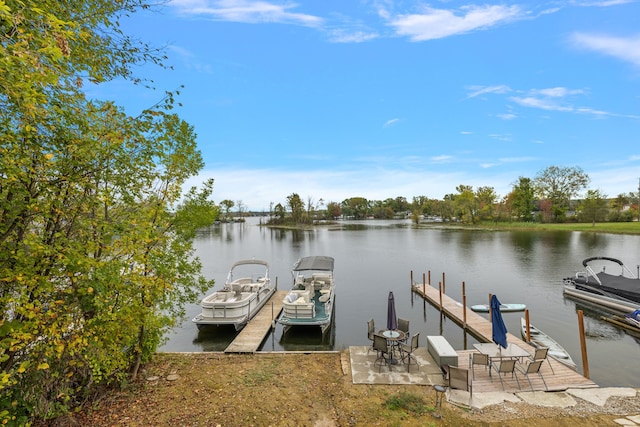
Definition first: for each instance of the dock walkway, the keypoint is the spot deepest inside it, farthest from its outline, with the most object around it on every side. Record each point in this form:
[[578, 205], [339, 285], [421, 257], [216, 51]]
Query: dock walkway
[[252, 335], [561, 378]]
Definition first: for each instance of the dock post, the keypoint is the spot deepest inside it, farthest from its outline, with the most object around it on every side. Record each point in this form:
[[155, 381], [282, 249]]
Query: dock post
[[583, 345], [440, 292], [429, 281], [424, 285], [411, 279], [490, 311], [464, 306], [443, 285], [528, 329]]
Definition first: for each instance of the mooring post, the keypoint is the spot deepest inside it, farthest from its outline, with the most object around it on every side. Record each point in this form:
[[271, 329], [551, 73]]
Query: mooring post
[[429, 281], [440, 292], [464, 306], [443, 285], [424, 285], [527, 322], [583, 345]]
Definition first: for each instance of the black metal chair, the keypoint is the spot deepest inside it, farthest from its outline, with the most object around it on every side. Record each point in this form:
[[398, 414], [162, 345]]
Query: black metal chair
[[371, 331], [382, 350], [408, 349], [403, 325]]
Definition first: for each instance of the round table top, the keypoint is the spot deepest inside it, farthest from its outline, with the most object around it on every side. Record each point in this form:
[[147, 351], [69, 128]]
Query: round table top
[[393, 334]]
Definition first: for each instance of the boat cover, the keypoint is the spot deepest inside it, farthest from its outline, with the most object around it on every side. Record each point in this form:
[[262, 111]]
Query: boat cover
[[324, 263]]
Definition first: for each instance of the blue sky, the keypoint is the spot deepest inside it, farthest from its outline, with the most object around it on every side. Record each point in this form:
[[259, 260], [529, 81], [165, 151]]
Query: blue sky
[[333, 99]]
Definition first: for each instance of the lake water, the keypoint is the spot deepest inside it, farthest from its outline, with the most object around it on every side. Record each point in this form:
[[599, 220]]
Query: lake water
[[375, 257]]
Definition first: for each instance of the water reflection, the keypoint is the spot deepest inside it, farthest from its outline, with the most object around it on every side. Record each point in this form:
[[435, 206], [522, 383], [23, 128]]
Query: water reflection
[[376, 257]]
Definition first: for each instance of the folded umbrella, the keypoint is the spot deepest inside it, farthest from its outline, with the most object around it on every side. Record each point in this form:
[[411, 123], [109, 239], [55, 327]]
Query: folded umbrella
[[392, 319], [498, 328]]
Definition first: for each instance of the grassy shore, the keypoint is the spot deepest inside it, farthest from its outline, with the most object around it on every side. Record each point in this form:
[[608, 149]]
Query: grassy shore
[[599, 227]]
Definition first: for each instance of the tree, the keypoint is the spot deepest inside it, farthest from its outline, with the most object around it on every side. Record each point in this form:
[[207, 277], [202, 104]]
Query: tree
[[96, 257], [334, 210], [486, 199], [594, 207], [522, 199], [465, 202], [297, 207], [227, 205], [358, 207], [559, 185]]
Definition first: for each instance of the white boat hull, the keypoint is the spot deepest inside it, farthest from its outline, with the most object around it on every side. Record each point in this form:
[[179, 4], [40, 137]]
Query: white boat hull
[[310, 302], [540, 339], [238, 302]]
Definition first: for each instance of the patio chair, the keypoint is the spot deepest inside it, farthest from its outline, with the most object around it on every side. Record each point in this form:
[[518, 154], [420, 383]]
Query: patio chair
[[408, 349], [371, 331], [382, 349], [532, 368], [542, 353], [459, 379], [403, 325], [479, 359], [506, 366]]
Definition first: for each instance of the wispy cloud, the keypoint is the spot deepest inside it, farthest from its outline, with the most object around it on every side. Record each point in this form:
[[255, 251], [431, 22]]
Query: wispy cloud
[[442, 158], [247, 11], [603, 3], [190, 60], [348, 36], [624, 48], [482, 90], [433, 23], [391, 122], [542, 103]]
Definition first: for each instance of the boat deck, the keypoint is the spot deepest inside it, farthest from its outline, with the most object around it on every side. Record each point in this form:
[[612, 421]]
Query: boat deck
[[480, 327], [252, 335]]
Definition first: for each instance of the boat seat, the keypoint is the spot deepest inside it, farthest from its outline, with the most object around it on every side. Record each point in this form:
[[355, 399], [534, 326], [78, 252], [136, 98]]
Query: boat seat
[[324, 297]]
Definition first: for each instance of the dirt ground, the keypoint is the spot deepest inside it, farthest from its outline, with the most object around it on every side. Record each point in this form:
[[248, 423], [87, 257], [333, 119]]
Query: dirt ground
[[278, 389]]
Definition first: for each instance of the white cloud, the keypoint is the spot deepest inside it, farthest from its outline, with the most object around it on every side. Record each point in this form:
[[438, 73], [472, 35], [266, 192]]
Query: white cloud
[[247, 11], [604, 3], [439, 23], [481, 90], [391, 122], [442, 158], [557, 92], [543, 104], [507, 116], [626, 49], [344, 36]]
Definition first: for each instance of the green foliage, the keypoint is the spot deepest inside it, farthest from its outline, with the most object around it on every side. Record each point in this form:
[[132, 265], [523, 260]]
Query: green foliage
[[96, 257], [408, 402], [559, 185], [594, 207]]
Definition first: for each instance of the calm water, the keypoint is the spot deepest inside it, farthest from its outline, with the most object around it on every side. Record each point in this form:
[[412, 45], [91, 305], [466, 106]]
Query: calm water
[[375, 257]]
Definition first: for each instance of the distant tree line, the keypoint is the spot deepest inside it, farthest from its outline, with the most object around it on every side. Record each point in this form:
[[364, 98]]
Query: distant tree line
[[552, 196]]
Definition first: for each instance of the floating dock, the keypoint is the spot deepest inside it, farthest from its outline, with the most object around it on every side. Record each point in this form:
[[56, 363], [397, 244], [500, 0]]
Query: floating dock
[[252, 335], [561, 378]]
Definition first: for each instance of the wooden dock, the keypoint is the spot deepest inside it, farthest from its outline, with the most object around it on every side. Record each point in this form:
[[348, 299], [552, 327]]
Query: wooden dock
[[252, 335], [560, 377]]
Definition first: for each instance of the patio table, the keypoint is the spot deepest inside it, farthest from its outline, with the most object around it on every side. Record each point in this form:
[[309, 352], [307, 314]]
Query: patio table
[[494, 351], [394, 338]]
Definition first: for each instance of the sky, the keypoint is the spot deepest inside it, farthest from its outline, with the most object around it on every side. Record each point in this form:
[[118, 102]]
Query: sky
[[381, 99]]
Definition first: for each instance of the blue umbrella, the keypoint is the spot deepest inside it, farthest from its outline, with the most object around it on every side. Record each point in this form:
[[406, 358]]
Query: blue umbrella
[[392, 319], [498, 329]]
